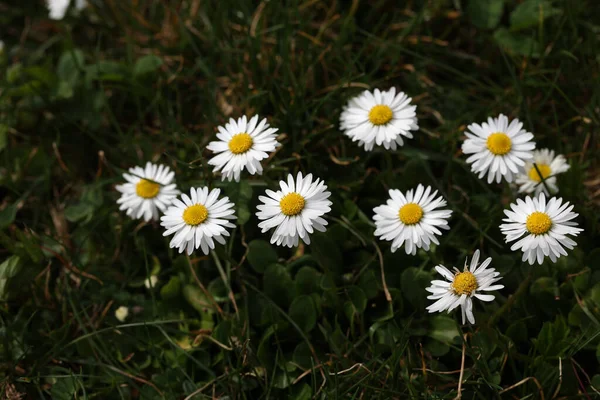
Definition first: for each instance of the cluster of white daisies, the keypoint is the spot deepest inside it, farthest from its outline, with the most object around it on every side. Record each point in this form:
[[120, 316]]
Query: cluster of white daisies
[[413, 219]]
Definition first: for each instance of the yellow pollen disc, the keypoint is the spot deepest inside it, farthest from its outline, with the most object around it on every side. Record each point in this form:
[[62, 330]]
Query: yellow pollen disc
[[544, 170], [464, 283], [499, 143], [147, 189], [240, 143], [291, 204], [380, 114], [538, 223], [410, 213], [195, 215]]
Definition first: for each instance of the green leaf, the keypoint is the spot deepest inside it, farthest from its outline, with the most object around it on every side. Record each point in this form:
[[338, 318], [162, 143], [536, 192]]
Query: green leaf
[[261, 254], [278, 284], [307, 280], [171, 289], [485, 14], [64, 388], [197, 299], [326, 252], [70, 66], [303, 312], [357, 304], [7, 216], [443, 329], [303, 392], [530, 13], [3, 136], [78, 212], [146, 65], [517, 44], [413, 284], [10, 267]]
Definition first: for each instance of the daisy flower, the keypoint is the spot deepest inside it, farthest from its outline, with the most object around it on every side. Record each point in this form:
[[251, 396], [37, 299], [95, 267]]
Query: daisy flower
[[545, 227], [411, 219], [58, 8], [242, 144], [295, 211], [530, 180], [459, 288], [121, 313], [380, 118], [147, 191], [498, 148], [198, 220]]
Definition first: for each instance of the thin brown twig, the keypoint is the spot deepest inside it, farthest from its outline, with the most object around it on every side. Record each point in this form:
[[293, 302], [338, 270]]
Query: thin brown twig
[[206, 292], [388, 296], [559, 378], [462, 368]]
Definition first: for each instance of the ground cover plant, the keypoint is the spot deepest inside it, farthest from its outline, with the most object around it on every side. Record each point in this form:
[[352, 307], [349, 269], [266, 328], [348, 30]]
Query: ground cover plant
[[96, 302]]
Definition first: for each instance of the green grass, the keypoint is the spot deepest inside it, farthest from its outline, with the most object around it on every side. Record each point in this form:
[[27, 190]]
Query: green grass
[[86, 98]]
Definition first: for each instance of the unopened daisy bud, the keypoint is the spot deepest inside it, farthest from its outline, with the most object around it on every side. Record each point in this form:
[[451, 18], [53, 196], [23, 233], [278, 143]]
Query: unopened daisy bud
[[242, 145], [151, 282], [548, 166], [295, 211], [121, 313], [460, 288], [198, 220], [498, 148], [411, 220], [379, 118], [541, 227], [147, 191]]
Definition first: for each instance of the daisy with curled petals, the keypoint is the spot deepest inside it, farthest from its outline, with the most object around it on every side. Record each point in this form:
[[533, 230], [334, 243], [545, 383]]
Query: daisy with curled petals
[[460, 288], [295, 211], [198, 220], [548, 166], [379, 118], [543, 226], [411, 219], [147, 191], [242, 144], [498, 148]]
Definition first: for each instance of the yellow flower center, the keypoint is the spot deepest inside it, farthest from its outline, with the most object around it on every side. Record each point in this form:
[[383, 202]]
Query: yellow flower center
[[410, 213], [380, 114], [195, 215], [464, 283], [240, 143], [147, 189], [538, 223], [499, 143], [544, 170], [291, 204]]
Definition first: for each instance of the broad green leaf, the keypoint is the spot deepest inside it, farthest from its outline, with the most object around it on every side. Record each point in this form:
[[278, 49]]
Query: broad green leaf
[[64, 388], [516, 43], [531, 13], [261, 254], [145, 65], [70, 66], [443, 329], [307, 280], [10, 267], [7, 216], [78, 212], [413, 284], [197, 299], [327, 252], [485, 14], [278, 284], [303, 312], [171, 289]]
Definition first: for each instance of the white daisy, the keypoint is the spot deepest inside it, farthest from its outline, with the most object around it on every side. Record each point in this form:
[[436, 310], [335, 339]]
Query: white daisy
[[147, 191], [121, 313], [498, 148], [58, 8], [381, 118], [242, 144], [296, 210], [198, 220], [459, 288], [412, 219], [545, 226], [548, 166], [151, 282]]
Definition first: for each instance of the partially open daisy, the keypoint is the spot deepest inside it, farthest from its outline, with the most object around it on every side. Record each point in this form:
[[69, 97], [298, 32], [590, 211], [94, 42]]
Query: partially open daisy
[[548, 166], [198, 220], [242, 144], [460, 288], [545, 227], [147, 191], [498, 148], [296, 210], [380, 118], [411, 219]]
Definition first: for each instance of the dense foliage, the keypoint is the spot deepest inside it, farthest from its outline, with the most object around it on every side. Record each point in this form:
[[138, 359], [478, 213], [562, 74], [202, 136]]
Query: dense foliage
[[121, 83]]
